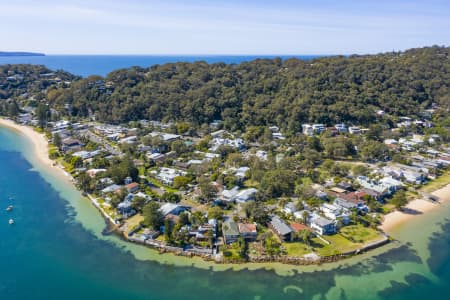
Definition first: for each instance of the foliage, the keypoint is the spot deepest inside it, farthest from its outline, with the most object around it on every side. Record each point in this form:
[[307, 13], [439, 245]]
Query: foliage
[[181, 182], [152, 215], [256, 212], [258, 93], [125, 168], [276, 183], [138, 203], [170, 197], [215, 212], [272, 246], [399, 199]]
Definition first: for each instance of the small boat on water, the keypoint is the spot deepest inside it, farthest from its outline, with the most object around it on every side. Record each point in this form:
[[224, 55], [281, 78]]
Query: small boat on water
[[9, 208], [11, 221]]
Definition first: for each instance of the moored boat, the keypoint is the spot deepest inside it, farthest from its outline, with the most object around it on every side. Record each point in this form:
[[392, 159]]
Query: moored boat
[[9, 208], [11, 221]]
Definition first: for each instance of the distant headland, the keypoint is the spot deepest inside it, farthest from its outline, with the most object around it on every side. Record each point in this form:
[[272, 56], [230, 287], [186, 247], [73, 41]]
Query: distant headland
[[3, 53]]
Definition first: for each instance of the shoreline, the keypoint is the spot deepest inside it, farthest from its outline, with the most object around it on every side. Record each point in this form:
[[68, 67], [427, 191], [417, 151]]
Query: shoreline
[[391, 221], [416, 207], [40, 145]]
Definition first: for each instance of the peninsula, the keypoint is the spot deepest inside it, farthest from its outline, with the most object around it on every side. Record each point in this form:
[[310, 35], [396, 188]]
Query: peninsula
[[290, 161], [3, 53]]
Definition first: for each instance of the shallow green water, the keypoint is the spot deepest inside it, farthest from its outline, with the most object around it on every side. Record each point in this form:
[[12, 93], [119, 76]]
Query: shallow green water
[[56, 250]]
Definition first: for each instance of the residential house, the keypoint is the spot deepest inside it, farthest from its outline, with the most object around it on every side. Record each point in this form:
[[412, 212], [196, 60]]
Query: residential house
[[167, 175], [354, 130], [172, 209], [391, 183], [374, 185], [230, 231], [128, 140], [280, 228], [318, 128], [93, 172], [87, 154], [335, 213], [132, 187], [166, 137], [261, 154], [241, 172], [345, 186], [307, 129], [302, 214], [341, 128], [409, 173], [298, 227], [349, 205], [235, 143], [246, 195], [321, 195], [111, 189], [200, 232], [25, 118], [248, 231], [125, 208], [71, 144], [104, 182], [229, 195], [323, 226], [289, 208]]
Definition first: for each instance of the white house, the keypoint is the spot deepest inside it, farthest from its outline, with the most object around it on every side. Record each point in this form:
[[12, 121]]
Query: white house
[[289, 208], [236, 143], [172, 208], [354, 130], [167, 175], [246, 195], [307, 129], [323, 225], [229, 195], [335, 213]]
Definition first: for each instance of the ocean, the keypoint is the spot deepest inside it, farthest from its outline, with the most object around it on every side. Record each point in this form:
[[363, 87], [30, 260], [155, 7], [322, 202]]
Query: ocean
[[86, 65], [57, 250]]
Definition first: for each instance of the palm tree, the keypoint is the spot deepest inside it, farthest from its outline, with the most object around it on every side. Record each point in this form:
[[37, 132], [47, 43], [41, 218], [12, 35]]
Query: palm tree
[[305, 216], [306, 236]]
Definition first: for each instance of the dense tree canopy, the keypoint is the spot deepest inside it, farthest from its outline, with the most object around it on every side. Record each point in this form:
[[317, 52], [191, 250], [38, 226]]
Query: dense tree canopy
[[261, 92]]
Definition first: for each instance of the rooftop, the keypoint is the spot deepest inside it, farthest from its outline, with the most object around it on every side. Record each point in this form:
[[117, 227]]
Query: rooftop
[[280, 226]]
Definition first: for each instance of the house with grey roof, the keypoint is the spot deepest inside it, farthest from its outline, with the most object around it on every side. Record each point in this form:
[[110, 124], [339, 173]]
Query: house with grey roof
[[323, 225], [246, 195], [230, 231], [172, 209], [112, 188], [280, 228]]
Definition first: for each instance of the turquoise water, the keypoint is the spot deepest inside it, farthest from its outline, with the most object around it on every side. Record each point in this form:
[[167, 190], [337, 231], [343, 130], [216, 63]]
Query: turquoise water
[[85, 65], [56, 250]]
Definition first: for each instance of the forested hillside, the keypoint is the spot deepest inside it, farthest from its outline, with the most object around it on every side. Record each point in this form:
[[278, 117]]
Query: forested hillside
[[266, 92]]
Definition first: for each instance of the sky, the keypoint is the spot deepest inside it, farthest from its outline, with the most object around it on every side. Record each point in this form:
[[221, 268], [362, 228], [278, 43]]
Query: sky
[[172, 27]]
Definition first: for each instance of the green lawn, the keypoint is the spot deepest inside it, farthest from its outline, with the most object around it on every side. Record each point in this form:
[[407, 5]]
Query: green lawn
[[438, 183], [109, 210], [231, 253], [134, 221], [158, 184], [141, 171], [251, 183], [338, 244], [350, 238], [360, 234], [296, 248]]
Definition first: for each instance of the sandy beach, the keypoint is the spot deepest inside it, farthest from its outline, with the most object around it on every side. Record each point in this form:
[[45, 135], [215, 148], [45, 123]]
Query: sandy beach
[[39, 141], [415, 208]]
